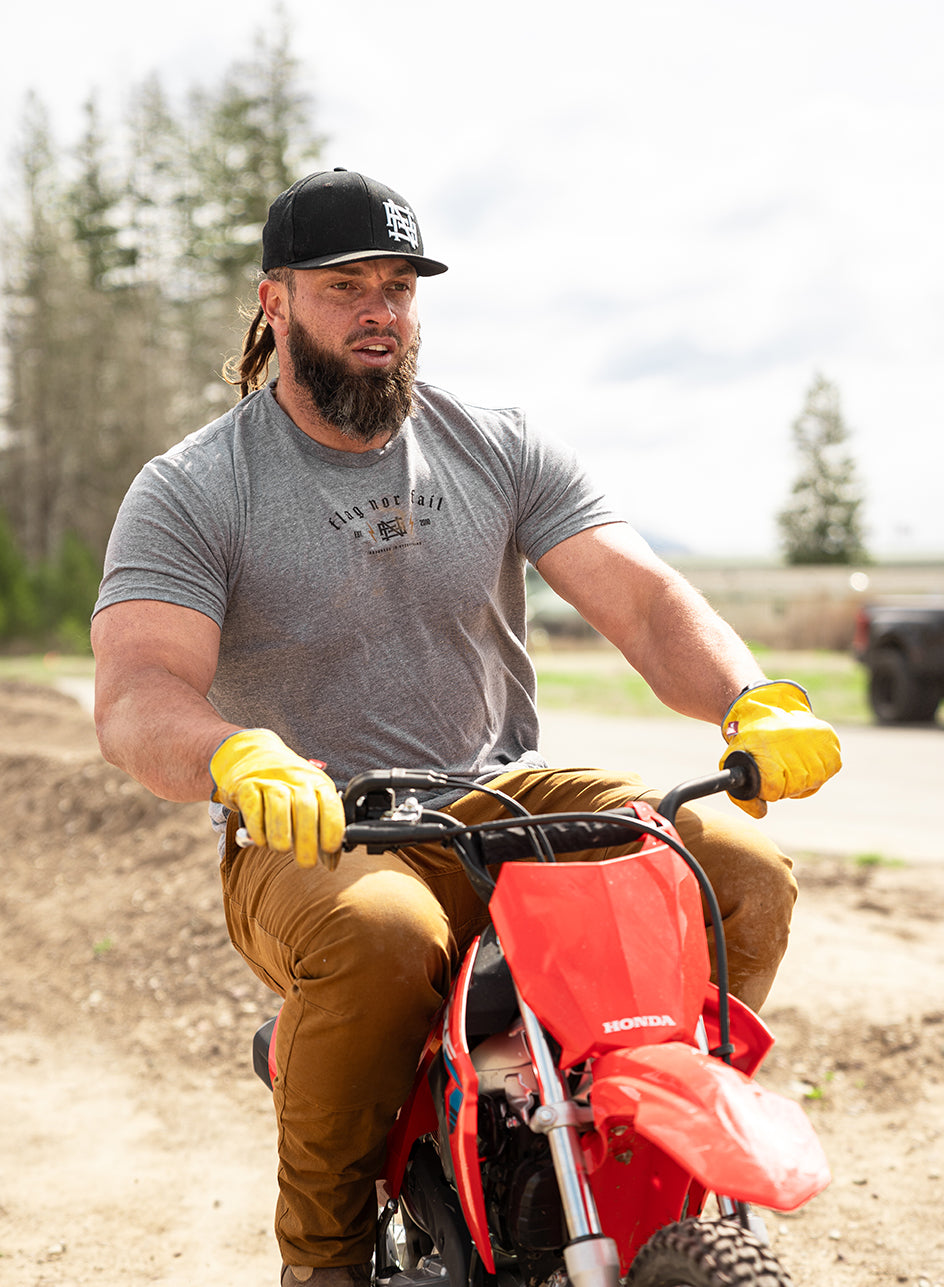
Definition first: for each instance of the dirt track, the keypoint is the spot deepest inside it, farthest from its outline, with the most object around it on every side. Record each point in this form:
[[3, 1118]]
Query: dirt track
[[137, 1147]]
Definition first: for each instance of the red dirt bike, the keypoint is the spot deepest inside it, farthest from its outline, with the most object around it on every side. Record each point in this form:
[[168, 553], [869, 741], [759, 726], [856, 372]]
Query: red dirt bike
[[586, 1087]]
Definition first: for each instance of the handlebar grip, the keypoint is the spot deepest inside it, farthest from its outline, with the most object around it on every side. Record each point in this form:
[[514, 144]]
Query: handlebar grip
[[745, 776], [387, 834], [607, 830], [378, 832]]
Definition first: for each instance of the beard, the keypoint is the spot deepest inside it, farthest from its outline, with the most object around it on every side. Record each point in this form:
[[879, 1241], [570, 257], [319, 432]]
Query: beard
[[361, 405]]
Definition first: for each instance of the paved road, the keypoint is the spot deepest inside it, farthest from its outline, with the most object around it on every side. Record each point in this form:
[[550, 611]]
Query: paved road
[[887, 799]]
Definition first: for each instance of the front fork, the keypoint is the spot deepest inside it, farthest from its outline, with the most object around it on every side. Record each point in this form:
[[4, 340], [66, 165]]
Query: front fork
[[592, 1258]]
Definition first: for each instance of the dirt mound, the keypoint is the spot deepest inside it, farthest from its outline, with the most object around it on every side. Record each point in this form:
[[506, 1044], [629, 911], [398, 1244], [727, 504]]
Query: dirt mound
[[110, 895]]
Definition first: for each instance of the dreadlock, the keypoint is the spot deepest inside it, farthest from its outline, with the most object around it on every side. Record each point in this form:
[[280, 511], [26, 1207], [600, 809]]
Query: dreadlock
[[250, 369]]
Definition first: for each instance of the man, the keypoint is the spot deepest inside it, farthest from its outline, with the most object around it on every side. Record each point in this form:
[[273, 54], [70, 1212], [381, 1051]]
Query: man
[[335, 570]]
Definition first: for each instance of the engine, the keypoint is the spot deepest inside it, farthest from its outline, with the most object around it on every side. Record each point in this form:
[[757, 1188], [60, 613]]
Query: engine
[[521, 1193]]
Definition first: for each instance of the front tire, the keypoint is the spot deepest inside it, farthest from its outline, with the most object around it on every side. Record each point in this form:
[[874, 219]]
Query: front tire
[[695, 1253]]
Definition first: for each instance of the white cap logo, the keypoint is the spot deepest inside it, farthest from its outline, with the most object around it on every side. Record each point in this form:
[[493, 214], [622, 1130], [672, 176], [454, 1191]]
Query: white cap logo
[[401, 226]]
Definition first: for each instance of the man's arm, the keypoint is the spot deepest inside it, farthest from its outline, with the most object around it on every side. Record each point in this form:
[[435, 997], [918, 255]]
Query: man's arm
[[154, 664], [692, 659]]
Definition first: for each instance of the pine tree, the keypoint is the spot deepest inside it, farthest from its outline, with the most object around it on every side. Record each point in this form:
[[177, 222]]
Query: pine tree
[[46, 319], [254, 139], [822, 522], [124, 275], [95, 204], [18, 610]]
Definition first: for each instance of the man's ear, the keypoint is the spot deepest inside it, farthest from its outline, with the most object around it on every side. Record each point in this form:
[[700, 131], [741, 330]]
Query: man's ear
[[273, 297]]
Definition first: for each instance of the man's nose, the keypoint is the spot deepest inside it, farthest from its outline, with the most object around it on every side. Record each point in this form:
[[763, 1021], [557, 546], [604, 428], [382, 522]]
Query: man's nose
[[376, 309]]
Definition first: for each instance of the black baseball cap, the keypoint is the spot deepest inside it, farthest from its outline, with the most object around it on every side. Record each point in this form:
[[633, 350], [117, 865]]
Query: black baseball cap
[[337, 217]]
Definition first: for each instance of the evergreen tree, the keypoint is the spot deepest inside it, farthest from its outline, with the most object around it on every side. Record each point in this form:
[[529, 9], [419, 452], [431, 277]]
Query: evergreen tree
[[822, 522], [64, 592], [99, 414], [159, 190], [46, 315], [18, 610], [95, 206], [253, 139], [124, 275], [165, 381]]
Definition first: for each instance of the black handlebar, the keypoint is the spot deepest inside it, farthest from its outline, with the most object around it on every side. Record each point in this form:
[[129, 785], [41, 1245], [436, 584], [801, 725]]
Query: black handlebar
[[369, 797], [388, 833], [369, 803], [373, 820], [740, 777]]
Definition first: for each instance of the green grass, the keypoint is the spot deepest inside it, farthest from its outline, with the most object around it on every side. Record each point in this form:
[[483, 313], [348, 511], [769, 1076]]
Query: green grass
[[877, 860], [598, 681], [592, 679], [601, 693], [46, 668]]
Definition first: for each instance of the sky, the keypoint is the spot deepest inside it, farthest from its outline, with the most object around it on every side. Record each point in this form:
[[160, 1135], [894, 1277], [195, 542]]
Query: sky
[[662, 218]]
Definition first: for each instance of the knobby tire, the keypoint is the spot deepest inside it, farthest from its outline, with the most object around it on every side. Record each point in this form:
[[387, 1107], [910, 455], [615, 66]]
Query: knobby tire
[[696, 1253]]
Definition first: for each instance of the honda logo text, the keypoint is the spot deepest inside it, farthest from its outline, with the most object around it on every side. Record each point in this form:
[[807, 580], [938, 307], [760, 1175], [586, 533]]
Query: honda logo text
[[639, 1021]]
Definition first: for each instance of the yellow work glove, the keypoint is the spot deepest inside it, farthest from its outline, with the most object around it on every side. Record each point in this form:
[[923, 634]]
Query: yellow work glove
[[795, 752], [286, 802]]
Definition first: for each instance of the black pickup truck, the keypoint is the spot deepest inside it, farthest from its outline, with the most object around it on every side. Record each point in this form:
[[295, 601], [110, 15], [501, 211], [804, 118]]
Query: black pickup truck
[[901, 644]]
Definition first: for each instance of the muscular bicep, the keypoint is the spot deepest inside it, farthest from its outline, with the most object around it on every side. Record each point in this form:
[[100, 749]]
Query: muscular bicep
[[154, 664], [609, 574], [690, 657], [143, 634]]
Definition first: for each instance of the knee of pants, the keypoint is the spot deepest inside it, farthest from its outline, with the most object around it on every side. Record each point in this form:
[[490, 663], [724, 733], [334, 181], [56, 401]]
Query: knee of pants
[[749, 873], [366, 981], [755, 888], [384, 937]]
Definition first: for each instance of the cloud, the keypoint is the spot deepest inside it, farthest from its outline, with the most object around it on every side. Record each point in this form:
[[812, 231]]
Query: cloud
[[660, 218]]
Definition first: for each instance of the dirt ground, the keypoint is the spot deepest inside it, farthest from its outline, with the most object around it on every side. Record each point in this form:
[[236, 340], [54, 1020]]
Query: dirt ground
[[136, 1146]]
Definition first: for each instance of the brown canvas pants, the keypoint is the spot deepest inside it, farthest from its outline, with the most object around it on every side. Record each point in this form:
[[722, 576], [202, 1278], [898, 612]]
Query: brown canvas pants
[[364, 955]]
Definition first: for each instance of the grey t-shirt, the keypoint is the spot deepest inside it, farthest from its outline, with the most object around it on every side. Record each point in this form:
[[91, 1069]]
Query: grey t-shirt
[[372, 605]]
